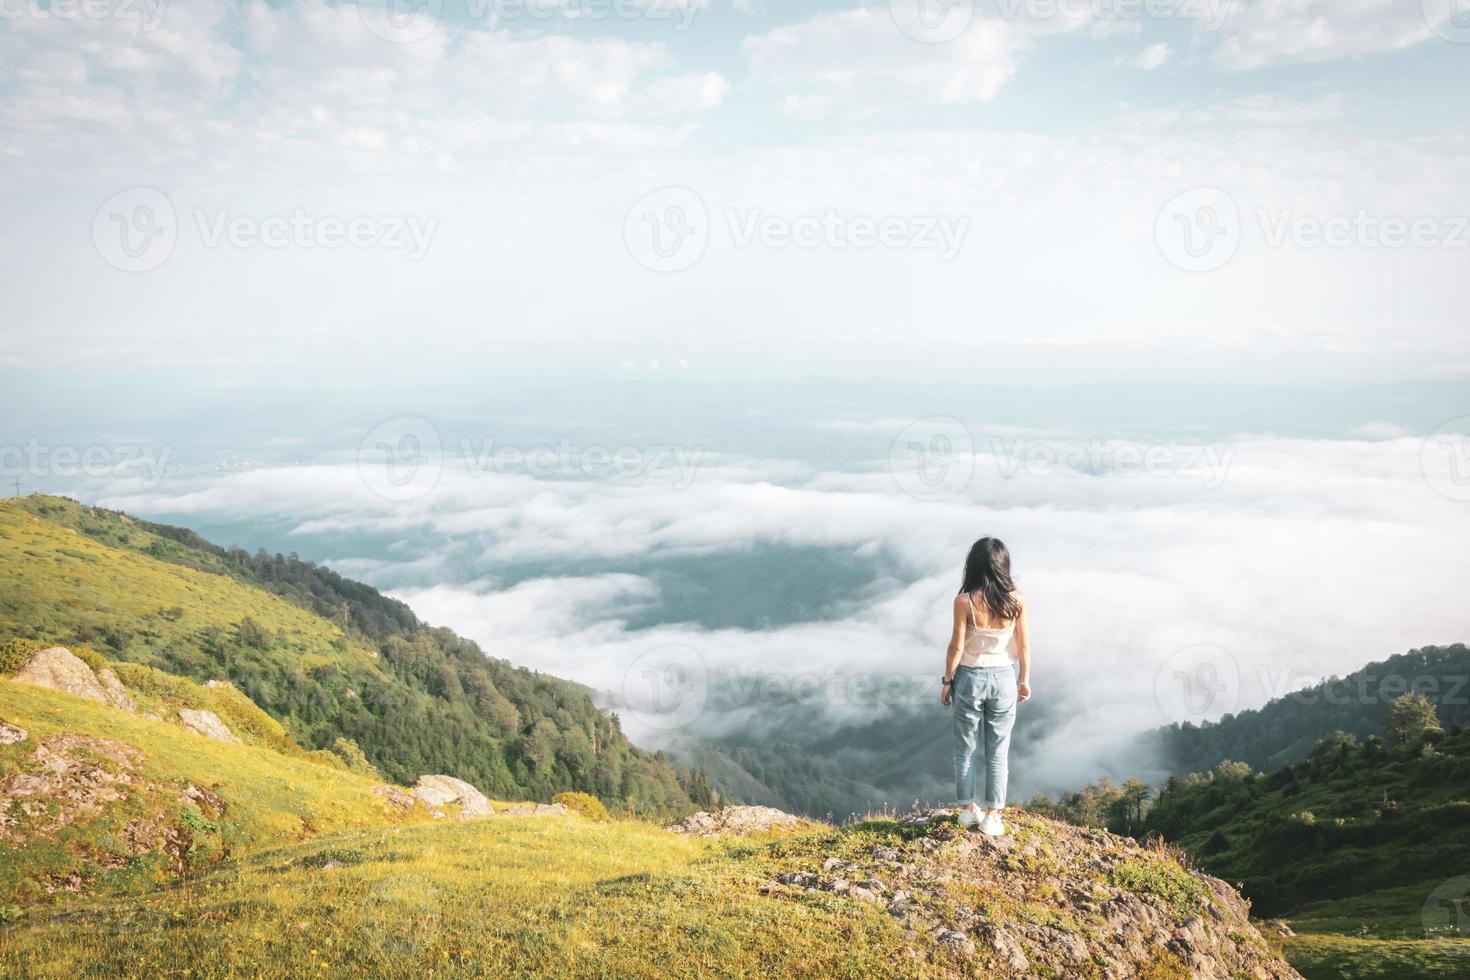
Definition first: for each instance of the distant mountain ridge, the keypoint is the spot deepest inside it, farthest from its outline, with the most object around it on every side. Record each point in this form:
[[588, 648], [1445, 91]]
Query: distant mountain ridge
[[328, 657], [1284, 731]]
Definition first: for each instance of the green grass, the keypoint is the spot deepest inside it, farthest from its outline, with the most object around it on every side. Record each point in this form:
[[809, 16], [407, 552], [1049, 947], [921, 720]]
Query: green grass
[[1374, 936], [1393, 913], [513, 896], [1166, 879], [1334, 957], [55, 581], [269, 796], [305, 871]]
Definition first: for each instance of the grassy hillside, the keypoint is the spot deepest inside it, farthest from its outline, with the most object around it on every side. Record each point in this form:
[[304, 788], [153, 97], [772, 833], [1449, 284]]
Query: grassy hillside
[[146, 801], [327, 657], [130, 846], [1350, 819], [266, 860]]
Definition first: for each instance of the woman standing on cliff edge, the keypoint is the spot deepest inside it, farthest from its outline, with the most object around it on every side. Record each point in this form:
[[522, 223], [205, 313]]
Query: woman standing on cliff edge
[[987, 672]]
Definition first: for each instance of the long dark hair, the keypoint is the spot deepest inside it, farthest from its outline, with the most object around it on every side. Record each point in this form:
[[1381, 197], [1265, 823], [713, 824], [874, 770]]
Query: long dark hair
[[988, 572]]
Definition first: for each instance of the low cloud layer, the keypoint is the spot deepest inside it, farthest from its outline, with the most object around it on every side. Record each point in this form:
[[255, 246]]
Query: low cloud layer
[[1251, 567]]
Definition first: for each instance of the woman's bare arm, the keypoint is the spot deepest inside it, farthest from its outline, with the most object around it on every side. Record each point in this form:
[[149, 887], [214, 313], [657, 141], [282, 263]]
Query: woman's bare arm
[[1023, 653], [956, 642]]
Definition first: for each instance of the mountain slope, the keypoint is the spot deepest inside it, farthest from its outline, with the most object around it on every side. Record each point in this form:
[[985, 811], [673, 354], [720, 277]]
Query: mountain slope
[[95, 799], [327, 657], [1285, 730], [275, 863], [1363, 846], [1350, 819]]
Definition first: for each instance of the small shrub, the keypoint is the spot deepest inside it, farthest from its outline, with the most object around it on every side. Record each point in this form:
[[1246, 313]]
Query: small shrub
[[89, 657], [251, 634], [353, 759], [1165, 879], [16, 652], [586, 804]]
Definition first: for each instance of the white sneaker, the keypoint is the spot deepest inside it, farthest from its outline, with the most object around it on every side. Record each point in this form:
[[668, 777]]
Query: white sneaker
[[968, 817], [991, 825]]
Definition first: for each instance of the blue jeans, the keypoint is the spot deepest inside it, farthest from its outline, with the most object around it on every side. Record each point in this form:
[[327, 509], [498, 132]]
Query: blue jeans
[[984, 701]]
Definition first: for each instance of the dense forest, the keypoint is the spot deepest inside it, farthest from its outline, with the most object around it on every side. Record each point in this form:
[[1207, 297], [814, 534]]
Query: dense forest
[[414, 698], [1285, 730]]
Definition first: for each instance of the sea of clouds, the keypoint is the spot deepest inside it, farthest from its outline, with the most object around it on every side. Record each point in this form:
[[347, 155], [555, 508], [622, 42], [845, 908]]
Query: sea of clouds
[[1168, 581]]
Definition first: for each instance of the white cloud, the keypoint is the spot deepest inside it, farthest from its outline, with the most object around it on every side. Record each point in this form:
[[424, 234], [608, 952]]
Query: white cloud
[[683, 95], [1258, 546], [1154, 56], [1271, 110], [307, 83], [1271, 32], [857, 62]]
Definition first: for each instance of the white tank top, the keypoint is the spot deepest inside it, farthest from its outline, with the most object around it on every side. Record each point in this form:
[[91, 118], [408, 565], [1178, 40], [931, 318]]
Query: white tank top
[[986, 647]]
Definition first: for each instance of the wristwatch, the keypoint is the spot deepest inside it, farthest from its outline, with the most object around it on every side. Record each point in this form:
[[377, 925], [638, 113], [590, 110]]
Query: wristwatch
[[946, 681]]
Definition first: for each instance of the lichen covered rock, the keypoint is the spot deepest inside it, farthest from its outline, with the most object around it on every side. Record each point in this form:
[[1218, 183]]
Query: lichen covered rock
[[59, 669], [442, 791], [1047, 899], [208, 724], [735, 821]]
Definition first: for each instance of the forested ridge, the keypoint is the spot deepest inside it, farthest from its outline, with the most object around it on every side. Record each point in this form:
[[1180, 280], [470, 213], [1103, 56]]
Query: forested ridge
[[1287, 728], [360, 667]]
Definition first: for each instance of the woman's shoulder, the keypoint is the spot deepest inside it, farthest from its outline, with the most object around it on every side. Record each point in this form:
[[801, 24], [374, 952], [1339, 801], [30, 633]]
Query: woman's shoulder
[[1019, 596]]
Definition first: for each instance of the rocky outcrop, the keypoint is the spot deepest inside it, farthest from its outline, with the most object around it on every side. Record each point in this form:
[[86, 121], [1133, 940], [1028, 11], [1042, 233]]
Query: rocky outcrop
[[735, 821], [60, 670], [68, 777], [395, 800], [116, 694], [10, 734], [442, 791], [208, 724], [1047, 899]]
